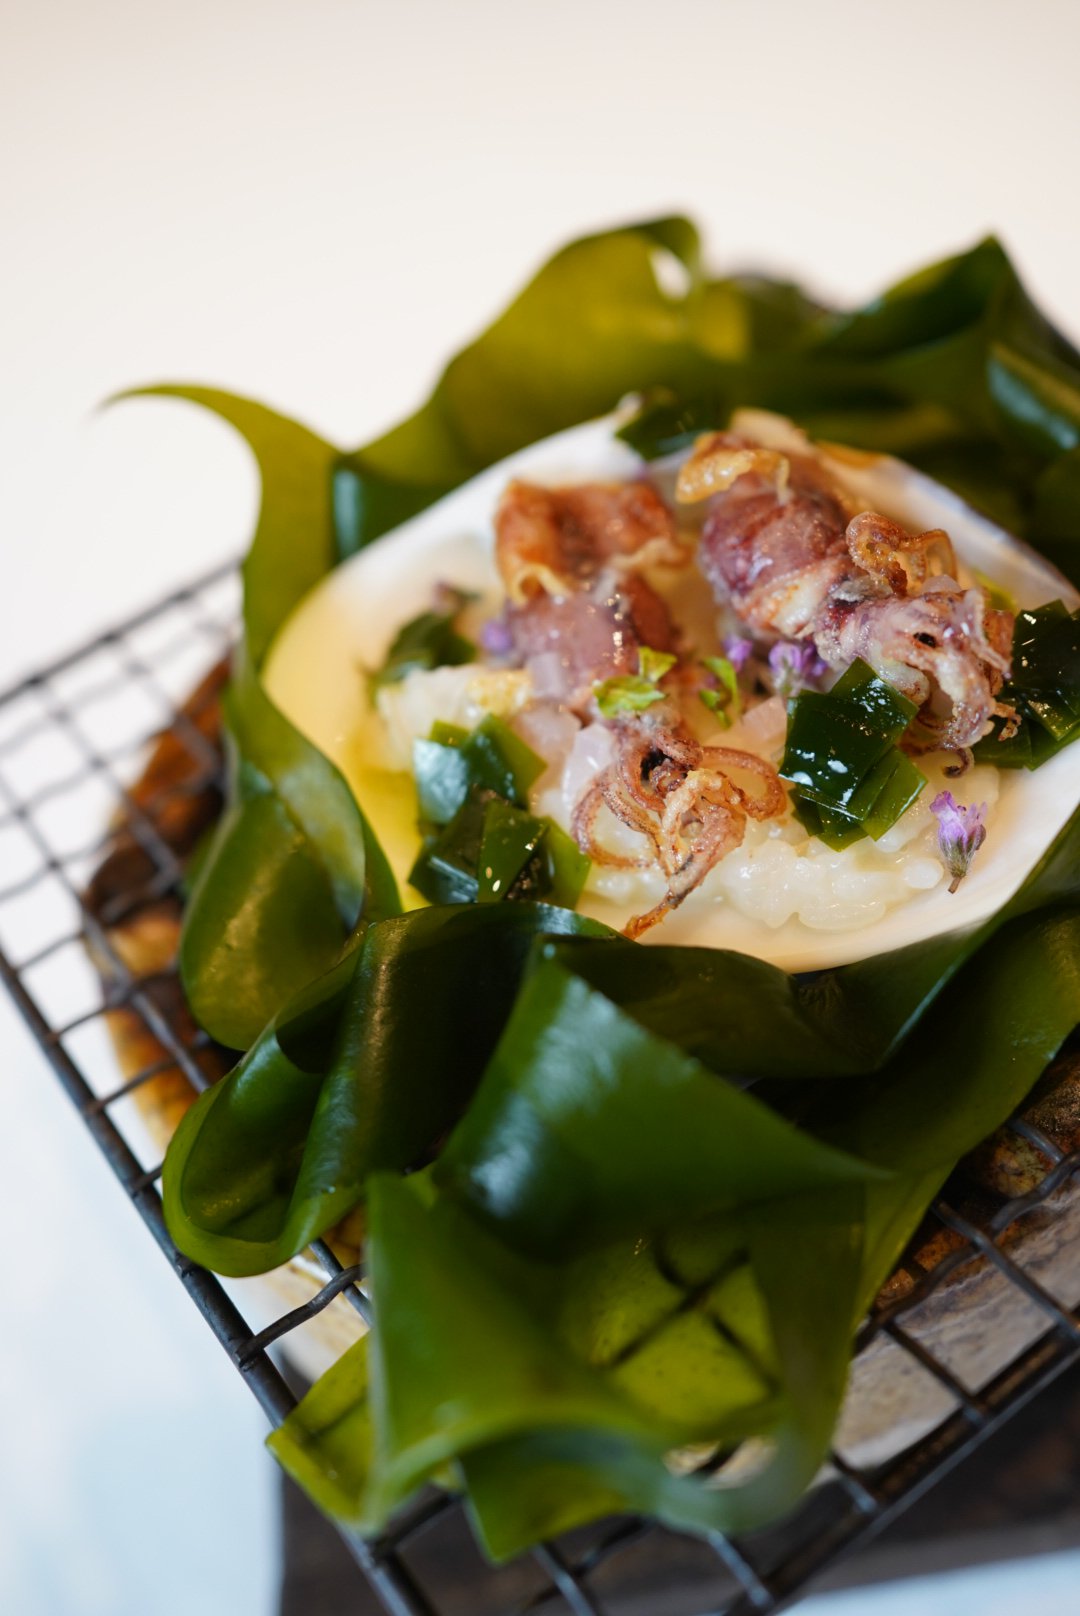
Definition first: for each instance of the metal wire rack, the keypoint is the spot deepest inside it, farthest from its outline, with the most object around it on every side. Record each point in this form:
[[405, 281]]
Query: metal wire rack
[[73, 743]]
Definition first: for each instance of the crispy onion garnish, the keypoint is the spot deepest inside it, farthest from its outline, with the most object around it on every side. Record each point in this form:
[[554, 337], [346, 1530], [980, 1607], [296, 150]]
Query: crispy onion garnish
[[719, 459], [682, 799], [773, 798], [607, 790], [901, 560], [1011, 717]]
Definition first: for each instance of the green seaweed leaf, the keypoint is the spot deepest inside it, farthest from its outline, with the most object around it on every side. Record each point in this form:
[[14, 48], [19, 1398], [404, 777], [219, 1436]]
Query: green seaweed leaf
[[587, 1125], [294, 543], [292, 867], [594, 324], [293, 861], [776, 1138], [276, 1152], [543, 1436], [602, 1363]]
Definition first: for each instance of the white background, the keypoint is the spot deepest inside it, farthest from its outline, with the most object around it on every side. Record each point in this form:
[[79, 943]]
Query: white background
[[315, 203]]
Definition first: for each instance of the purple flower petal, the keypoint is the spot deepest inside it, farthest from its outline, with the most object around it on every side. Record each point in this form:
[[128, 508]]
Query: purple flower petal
[[794, 665], [738, 650], [496, 637], [961, 832]]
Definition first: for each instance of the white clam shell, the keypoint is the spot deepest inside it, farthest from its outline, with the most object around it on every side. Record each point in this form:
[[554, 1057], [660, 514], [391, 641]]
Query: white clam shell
[[348, 621]]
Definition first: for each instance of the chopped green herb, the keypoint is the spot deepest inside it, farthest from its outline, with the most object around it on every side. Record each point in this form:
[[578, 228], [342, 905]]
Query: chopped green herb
[[633, 693], [628, 694], [654, 664], [726, 702]]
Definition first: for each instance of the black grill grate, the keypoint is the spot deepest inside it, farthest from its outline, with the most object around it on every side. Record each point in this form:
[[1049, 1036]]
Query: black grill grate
[[73, 741]]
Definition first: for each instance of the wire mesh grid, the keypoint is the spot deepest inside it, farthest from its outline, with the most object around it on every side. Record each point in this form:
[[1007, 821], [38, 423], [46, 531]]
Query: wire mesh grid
[[77, 797]]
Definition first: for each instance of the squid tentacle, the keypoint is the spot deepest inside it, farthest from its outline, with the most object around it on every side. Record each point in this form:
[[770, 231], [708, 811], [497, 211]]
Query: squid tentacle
[[680, 797]]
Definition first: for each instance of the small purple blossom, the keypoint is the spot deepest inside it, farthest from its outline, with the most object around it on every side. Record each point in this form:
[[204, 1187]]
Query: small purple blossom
[[496, 637], [794, 665], [738, 650], [961, 832]]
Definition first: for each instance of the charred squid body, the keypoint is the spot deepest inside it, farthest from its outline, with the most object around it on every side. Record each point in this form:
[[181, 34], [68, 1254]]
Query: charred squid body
[[782, 544], [580, 614], [570, 642]]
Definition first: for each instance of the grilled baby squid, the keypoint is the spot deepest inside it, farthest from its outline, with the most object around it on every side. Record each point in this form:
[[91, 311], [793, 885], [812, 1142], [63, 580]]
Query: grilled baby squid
[[783, 544]]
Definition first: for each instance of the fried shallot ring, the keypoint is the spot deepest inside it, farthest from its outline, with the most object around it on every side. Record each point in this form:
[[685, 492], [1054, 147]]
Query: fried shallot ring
[[680, 797], [773, 799], [606, 790], [901, 560], [719, 459]]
